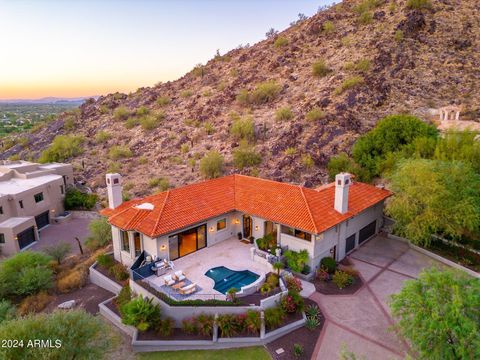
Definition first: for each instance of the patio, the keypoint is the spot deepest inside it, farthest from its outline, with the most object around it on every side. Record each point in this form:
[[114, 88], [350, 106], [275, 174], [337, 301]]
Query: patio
[[230, 253]]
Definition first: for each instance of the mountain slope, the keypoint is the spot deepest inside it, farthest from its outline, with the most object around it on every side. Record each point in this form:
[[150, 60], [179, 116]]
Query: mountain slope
[[402, 60]]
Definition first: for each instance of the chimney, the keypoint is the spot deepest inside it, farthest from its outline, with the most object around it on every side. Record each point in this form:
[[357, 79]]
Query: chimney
[[342, 183], [114, 190]]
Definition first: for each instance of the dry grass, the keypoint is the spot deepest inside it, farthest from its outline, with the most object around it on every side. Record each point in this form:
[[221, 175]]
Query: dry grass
[[34, 303]]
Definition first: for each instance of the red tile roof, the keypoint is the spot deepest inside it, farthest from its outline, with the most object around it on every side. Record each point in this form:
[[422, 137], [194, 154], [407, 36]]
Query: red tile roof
[[307, 209]]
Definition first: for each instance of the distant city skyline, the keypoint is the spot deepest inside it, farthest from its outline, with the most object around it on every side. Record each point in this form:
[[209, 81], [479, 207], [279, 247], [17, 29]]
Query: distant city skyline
[[55, 48]]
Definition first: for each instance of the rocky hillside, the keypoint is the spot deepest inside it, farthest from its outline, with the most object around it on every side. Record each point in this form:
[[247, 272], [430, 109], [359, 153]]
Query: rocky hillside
[[351, 64]]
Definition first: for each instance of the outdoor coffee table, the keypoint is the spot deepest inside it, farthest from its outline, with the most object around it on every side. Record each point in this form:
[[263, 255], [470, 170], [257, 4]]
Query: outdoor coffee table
[[179, 285]]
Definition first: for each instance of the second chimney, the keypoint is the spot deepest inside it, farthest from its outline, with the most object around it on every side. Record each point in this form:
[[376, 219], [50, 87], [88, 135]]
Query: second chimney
[[114, 190], [342, 184]]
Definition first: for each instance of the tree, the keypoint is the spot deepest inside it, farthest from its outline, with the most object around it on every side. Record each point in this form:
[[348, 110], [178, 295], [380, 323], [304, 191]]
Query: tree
[[25, 273], [439, 314], [435, 197], [75, 199], [62, 148], [211, 165], [7, 310], [277, 266], [101, 231], [343, 163], [245, 155], [59, 251], [73, 334], [391, 134]]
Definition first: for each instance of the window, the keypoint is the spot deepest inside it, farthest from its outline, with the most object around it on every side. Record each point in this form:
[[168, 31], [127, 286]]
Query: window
[[221, 224], [1, 210], [125, 241], [137, 243], [287, 230], [38, 197], [21, 204], [62, 190], [2, 239], [303, 235]]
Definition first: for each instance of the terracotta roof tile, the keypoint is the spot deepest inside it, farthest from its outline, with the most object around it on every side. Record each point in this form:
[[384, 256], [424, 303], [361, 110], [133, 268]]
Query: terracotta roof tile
[[302, 208]]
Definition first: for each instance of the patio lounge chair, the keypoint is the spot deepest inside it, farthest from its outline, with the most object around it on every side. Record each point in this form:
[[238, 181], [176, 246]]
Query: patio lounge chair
[[169, 280], [189, 289], [179, 275]]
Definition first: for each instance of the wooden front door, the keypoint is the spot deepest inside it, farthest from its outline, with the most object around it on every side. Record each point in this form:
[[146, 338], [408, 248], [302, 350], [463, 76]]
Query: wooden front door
[[247, 226]]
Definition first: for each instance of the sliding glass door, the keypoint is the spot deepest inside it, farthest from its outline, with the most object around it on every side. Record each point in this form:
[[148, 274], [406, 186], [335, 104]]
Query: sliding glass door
[[187, 242]]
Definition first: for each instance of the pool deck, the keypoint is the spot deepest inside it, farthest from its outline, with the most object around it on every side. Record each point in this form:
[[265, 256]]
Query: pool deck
[[230, 253]]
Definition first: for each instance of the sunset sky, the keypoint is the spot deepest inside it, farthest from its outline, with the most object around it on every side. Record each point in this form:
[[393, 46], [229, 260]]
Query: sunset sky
[[82, 48]]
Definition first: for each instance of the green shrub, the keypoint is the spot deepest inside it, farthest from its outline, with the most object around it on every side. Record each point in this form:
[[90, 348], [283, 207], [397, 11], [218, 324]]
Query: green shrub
[[419, 4], [150, 122], [59, 251], [296, 261], [163, 100], [142, 111], [162, 183], [184, 148], [307, 161], [243, 97], [297, 350], [100, 232], [312, 311], [245, 156], [24, 274], [362, 65], [186, 93], [243, 128], [102, 136], [119, 152], [290, 151], [320, 68], [265, 92], [328, 27], [293, 284], [227, 325], [343, 163], [280, 42], [398, 36], [284, 113], [329, 264], [209, 128], [105, 260], [131, 122], [252, 321], [211, 165], [7, 310], [366, 5], [124, 296], [69, 123], [198, 70], [75, 334], [315, 114], [274, 317], [165, 327], [342, 279], [365, 18], [141, 313], [119, 272], [77, 200], [62, 148], [121, 113], [350, 83]]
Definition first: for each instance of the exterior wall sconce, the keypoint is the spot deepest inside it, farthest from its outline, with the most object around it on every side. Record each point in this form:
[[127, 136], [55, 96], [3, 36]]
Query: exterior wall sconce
[[256, 227], [236, 221], [163, 247], [211, 229]]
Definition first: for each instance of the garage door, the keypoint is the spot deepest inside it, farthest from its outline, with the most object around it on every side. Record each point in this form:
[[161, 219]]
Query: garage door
[[350, 243], [26, 237], [42, 220], [367, 232]]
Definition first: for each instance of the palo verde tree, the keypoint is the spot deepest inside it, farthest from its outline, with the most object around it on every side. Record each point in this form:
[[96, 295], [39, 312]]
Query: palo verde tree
[[439, 314]]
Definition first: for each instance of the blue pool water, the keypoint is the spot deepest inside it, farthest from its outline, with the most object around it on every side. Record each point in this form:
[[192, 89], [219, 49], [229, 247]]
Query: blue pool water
[[225, 279]]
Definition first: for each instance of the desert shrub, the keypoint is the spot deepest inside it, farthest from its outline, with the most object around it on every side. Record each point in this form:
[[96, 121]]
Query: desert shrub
[[62, 148], [100, 233], [227, 325], [328, 27], [165, 327], [398, 36], [265, 289], [296, 261], [184, 148], [88, 338], [273, 280], [119, 152], [163, 100], [342, 279], [7, 311], [365, 18], [284, 113], [141, 313], [24, 274], [329, 264], [312, 311], [280, 42], [114, 167], [320, 68], [274, 317], [297, 350], [186, 93], [59, 251], [34, 303], [209, 128], [312, 323], [119, 272], [211, 165], [243, 128], [102, 136], [349, 83], [189, 326], [307, 161], [142, 111], [124, 296], [252, 321], [293, 284], [162, 183], [315, 114], [105, 260], [131, 122], [265, 92], [204, 324], [245, 155], [362, 65], [343, 163], [75, 278], [150, 122], [78, 200], [419, 4], [243, 97], [290, 151], [69, 123], [121, 113], [198, 70]]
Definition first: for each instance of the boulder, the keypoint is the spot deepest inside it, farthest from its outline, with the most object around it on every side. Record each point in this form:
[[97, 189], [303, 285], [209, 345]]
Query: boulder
[[67, 304]]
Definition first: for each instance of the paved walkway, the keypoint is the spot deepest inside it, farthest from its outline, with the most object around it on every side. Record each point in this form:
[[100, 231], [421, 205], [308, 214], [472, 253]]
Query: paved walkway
[[362, 322]]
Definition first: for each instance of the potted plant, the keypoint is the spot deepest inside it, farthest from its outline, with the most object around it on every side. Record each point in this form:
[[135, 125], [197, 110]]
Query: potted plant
[[239, 235], [251, 238]]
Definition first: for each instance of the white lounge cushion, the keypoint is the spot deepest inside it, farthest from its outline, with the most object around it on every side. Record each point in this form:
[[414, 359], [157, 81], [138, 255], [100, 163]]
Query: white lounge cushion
[[169, 280], [179, 275]]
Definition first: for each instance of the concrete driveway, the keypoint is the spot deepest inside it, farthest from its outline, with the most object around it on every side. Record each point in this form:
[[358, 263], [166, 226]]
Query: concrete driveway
[[362, 321]]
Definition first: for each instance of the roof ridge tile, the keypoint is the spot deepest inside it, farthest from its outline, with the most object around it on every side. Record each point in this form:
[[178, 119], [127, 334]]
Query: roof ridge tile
[[308, 209]]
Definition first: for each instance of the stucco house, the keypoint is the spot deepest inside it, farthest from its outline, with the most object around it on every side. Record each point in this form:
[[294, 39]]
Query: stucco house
[[331, 220], [31, 195]]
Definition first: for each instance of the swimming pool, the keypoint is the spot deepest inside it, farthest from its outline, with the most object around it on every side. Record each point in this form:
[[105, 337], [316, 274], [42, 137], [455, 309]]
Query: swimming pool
[[225, 279]]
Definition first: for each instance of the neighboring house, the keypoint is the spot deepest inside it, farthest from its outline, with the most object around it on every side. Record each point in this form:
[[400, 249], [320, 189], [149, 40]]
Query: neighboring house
[[329, 221], [30, 196]]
